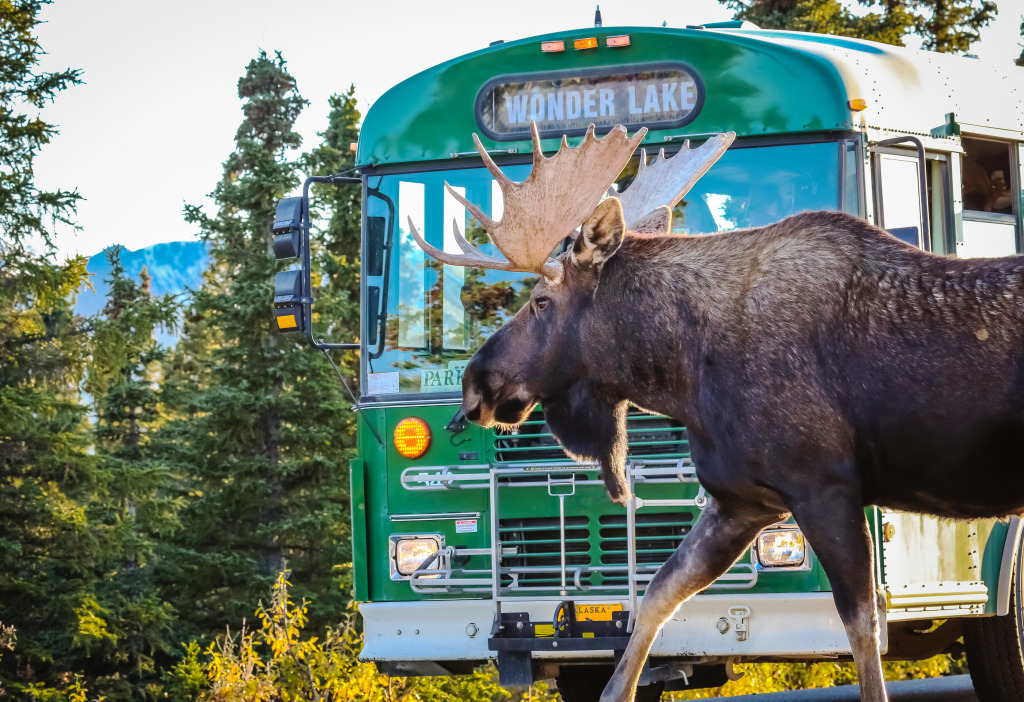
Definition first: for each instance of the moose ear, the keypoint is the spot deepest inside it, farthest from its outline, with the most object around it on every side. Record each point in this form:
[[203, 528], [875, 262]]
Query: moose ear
[[657, 222], [600, 235]]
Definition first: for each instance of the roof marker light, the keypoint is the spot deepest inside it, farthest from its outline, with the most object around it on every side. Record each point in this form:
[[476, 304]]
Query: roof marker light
[[552, 46], [858, 104], [622, 40], [588, 43]]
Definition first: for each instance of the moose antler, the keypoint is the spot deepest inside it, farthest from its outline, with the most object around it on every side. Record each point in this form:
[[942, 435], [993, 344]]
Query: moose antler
[[665, 181], [560, 192]]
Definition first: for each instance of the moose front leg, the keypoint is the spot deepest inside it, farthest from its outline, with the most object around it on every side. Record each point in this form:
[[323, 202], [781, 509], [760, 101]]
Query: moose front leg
[[719, 537]]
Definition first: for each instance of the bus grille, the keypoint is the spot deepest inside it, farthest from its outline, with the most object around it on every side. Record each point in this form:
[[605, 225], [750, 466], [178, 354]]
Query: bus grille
[[650, 436], [657, 536], [536, 540]]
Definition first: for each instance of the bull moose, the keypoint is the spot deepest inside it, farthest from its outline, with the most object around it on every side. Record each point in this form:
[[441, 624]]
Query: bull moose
[[820, 365]]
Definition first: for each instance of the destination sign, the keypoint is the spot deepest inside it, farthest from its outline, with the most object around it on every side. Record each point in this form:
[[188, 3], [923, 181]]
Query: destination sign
[[665, 95]]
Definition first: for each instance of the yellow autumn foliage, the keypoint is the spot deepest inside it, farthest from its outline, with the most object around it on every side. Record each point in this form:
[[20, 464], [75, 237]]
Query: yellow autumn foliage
[[277, 660]]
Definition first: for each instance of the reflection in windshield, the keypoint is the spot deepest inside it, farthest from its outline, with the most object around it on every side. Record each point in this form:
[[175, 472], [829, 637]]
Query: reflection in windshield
[[438, 315], [755, 187]]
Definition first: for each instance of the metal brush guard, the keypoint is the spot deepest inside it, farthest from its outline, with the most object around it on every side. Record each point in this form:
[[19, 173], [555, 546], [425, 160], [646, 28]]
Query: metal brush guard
[[561, 480]]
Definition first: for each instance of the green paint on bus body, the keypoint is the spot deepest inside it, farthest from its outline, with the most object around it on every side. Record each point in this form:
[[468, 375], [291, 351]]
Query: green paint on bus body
[[378, 498], [360, 545], [758, 82], [992, 540], [753, 87]]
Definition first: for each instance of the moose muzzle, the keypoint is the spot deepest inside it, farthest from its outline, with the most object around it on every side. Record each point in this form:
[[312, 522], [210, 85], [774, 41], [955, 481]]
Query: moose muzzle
[[489, 399]]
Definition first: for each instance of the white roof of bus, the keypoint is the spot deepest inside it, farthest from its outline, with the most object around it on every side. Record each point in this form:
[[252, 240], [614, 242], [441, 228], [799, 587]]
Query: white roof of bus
[[905, 89]]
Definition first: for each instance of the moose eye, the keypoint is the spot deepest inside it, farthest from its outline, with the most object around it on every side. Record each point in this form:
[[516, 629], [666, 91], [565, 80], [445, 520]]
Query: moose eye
[[542, 303]]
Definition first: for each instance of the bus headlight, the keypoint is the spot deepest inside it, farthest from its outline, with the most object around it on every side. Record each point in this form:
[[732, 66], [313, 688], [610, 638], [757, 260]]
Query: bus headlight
[[780, 548], [409, 551]]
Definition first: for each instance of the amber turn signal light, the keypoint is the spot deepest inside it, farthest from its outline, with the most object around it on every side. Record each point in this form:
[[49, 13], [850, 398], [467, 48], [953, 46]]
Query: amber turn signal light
[[588, 43], [858, 104], [412, 437]]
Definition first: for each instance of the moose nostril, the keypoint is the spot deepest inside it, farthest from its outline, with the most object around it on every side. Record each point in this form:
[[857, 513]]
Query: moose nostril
[[473, 414]]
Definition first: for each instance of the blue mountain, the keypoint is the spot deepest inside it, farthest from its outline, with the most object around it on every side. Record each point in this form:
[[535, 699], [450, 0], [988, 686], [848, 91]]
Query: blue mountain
[[174, 268]]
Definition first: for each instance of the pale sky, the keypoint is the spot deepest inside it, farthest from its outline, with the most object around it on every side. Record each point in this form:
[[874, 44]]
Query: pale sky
[[156, 116]]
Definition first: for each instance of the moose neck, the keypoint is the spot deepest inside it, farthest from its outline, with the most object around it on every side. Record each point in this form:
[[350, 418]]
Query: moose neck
[[656, 299], [659, 297]]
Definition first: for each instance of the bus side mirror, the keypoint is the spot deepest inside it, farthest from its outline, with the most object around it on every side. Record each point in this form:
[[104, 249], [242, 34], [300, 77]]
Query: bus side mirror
[[293, 291], [288, 292], [287, 228], [288, 308]]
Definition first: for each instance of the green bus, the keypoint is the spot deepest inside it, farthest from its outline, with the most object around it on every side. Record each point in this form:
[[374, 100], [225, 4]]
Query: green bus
[[473, 545]]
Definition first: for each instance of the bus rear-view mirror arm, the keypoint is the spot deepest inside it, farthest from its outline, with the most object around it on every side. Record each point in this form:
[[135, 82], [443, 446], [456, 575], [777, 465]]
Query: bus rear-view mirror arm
[[293, 291], [320, 344]]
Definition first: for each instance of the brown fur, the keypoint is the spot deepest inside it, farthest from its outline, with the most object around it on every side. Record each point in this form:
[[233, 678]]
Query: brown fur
[[820, 365]]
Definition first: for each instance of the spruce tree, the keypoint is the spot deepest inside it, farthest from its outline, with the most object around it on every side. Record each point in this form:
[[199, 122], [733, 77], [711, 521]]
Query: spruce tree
[[25, 211], [951, 26], [262, 428], [889, 25], [133, 513], [46, 474], [1020, 59], [336, 243], [943, 25]]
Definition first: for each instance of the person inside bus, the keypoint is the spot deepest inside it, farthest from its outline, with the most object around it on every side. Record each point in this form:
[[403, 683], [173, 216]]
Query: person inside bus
[[977, 188]]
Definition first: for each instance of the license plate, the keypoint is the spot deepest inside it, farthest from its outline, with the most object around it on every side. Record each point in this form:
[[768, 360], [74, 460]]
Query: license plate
[[596, 612]]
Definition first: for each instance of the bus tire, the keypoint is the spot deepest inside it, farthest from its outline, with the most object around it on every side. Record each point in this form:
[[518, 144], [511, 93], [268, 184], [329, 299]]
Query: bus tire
[[585, 683], [995, 650]]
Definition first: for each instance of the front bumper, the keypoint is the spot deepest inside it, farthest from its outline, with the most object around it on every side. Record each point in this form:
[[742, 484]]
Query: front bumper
[[799, 626]]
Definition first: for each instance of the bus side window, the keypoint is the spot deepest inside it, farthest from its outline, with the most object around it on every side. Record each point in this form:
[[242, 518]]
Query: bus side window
[[990, 218], [898, 198], [940, 205]]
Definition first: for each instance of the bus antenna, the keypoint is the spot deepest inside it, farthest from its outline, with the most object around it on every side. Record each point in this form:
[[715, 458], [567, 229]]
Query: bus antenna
[[597, 16]]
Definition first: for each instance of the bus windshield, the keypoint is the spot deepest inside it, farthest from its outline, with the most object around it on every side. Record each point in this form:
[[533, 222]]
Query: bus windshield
[[438, 315]]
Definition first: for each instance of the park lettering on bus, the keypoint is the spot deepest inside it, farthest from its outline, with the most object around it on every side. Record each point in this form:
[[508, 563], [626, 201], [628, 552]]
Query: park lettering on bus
[[443, 379], [666, 96]]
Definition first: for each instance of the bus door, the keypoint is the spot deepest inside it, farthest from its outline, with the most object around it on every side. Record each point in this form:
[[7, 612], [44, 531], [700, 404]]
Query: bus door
[[899, 197], [991, 180]]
